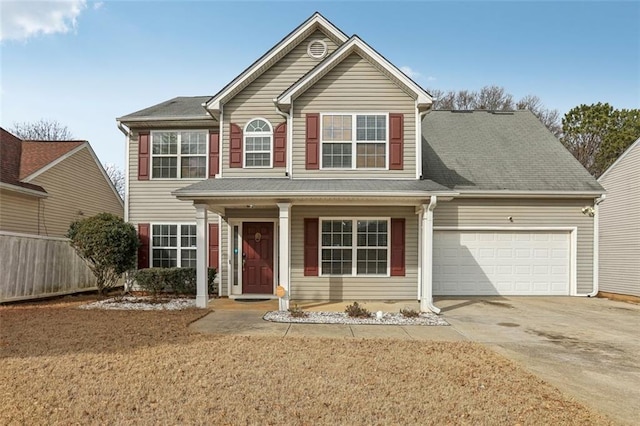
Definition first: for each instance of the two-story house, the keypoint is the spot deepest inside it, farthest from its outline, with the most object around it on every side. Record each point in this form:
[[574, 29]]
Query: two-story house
[[322, 169]]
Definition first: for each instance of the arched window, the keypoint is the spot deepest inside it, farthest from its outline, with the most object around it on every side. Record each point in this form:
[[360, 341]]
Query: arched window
[[258, 143]]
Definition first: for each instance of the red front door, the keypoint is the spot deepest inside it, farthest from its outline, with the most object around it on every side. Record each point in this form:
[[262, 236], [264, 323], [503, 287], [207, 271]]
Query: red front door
[[257, 257]]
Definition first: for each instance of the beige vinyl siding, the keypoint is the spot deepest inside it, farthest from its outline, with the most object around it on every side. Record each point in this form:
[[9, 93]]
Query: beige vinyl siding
[[619, 221], [527, 213], [151, 200], [18, 212], [354, 86], [77, 189], [256, 100], [353, 288]]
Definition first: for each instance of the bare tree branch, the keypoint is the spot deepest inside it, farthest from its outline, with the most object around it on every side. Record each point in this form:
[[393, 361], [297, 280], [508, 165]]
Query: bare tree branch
[[117, 177], [41, 130]]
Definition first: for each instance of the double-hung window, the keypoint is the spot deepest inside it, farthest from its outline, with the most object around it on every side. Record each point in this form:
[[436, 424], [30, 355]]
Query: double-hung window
[[258, 141], [173, 245], [179, 154], [354, 246], [354, 141]]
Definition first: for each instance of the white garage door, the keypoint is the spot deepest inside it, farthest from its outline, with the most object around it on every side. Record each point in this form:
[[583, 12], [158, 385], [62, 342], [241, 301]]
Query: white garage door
[[500, 263]]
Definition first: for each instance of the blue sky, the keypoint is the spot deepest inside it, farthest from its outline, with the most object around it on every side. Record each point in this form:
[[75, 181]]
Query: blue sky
[[86, 63]]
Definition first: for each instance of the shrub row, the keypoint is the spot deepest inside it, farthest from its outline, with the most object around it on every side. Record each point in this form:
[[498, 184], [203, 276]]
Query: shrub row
[[176, 280]]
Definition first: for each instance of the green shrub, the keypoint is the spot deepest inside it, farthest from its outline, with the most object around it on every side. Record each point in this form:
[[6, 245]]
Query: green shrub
[[409, 313], [178, 280], [357, 311], [107, 244]]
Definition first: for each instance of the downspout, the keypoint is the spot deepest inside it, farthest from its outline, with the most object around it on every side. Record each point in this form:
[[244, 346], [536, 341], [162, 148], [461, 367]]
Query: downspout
[[419, 117], [287, 116], [426, 301], [596, 246], [127, 135]]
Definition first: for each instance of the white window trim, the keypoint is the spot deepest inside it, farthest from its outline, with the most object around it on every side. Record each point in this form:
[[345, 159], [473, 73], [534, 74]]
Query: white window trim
[[354, 142], [178, 241], [178, 154], [246, 134], [354, 247]]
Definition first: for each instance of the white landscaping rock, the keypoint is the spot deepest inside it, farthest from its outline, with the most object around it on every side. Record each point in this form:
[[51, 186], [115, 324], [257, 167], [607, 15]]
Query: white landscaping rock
[[130, 303], [343, 318]]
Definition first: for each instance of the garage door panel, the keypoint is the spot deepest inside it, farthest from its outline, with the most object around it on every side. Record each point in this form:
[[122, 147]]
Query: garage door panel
[[501, 262]]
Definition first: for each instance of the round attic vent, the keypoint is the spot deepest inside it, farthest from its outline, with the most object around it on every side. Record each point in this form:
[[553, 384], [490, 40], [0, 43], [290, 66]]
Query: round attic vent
[[317, 49]]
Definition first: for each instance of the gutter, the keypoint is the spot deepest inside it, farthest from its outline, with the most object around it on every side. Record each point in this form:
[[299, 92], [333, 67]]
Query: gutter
[[427, 260], [287, 116], [307, 194], [23, 190], [528, 194], [127, 135], [596, 247]]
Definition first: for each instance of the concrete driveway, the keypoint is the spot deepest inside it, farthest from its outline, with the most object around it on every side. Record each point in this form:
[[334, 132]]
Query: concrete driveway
[[588, 348]]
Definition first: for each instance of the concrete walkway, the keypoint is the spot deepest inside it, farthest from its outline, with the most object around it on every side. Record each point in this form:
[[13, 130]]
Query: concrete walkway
[[245, 319], [587, 348]]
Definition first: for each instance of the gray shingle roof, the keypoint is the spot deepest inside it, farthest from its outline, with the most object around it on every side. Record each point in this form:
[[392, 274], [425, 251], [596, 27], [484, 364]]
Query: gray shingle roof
[[482, 150], [311, 187], [180, 107]]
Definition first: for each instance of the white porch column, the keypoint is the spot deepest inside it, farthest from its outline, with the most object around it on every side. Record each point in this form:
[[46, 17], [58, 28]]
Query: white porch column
[[202, 243], [426, 299], [284, 252]]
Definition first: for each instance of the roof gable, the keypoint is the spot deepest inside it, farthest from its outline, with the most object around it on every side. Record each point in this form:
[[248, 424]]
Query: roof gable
[[635, 145], [37, 155], [356, 45], [314, 23]]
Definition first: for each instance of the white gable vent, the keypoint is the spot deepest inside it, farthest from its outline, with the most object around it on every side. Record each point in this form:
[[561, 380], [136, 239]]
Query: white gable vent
[[317, 49]]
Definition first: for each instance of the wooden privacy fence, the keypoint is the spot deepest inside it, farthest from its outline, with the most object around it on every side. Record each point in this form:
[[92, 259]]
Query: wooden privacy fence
[[33, 266]]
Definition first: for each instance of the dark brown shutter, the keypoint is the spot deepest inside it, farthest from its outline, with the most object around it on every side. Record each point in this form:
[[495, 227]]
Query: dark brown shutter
[[397, 248], [280, 145], [396, 141], [143, 249], [214, 245], [143, 156], [311, 247], [235, 146], [214, 153], [313, 142]]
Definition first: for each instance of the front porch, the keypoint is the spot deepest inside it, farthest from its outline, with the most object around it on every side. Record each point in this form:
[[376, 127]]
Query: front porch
[[369, 245]]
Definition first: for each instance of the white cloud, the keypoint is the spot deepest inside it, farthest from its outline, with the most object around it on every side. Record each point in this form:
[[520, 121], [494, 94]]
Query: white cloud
[[98, 5], [411, 73], [431, 78], [24, 19]]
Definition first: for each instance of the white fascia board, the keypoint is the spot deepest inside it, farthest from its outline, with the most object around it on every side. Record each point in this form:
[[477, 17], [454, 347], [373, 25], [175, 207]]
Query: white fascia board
[[354, 44], [624, 154], [529, 194], [23, 190], [167, 118], [306, 194], [317, 19], [54, 162]]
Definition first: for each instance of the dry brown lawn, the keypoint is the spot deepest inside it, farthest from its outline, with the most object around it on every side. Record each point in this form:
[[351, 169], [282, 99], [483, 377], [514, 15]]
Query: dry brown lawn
[[63, 365]]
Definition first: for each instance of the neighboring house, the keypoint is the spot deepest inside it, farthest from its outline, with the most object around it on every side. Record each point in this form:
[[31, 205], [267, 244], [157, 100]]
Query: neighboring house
[[321, 168], [619, 222], [45, 185]]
